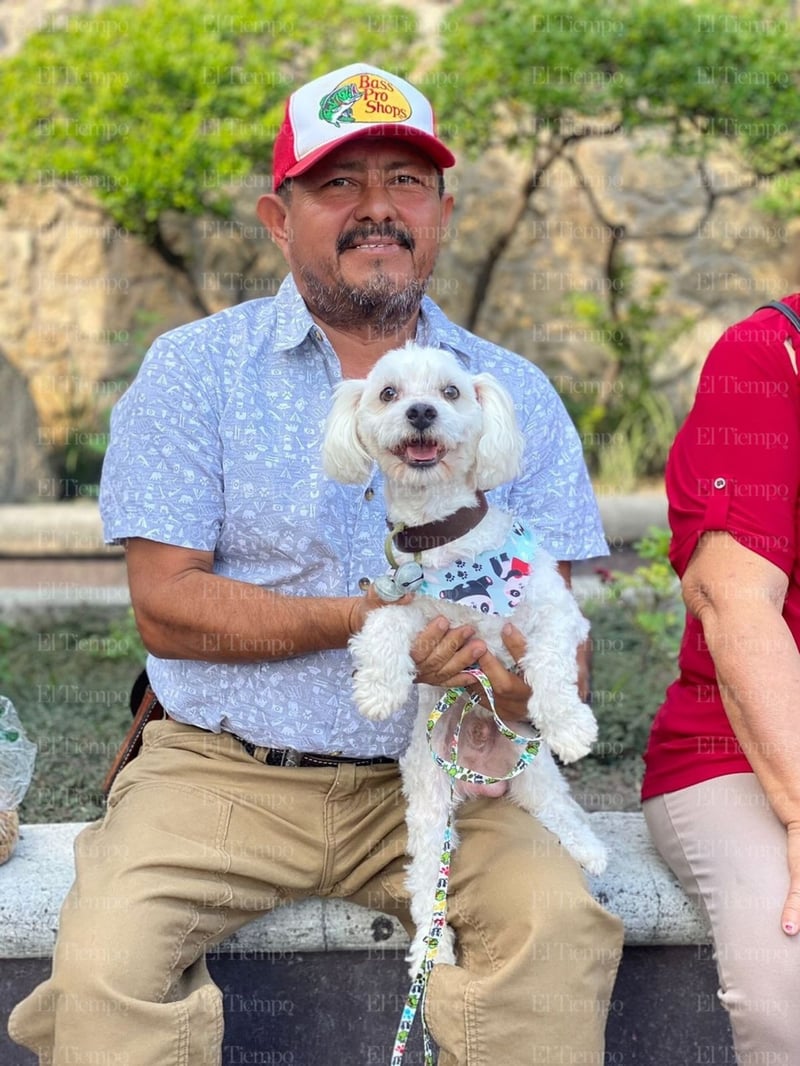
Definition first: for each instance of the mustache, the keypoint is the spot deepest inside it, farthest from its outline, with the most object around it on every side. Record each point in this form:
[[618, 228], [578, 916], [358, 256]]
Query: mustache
[[386, 230]]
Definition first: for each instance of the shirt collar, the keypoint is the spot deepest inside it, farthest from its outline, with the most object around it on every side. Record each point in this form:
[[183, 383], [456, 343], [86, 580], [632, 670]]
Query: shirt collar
[[294, 323], [434, 329]]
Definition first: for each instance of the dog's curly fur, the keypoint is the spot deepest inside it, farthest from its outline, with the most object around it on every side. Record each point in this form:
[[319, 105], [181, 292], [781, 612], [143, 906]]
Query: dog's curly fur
[[467, 442]]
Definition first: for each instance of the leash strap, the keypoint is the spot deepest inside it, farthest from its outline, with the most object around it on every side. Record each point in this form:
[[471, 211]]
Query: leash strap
[[530, 747], [416, 993]]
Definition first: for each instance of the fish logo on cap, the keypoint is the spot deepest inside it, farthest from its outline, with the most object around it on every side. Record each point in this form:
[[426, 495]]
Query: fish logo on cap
[[364, 97]]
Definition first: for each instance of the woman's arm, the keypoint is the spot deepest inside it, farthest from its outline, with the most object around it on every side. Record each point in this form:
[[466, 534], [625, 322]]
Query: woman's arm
[[738, 598]]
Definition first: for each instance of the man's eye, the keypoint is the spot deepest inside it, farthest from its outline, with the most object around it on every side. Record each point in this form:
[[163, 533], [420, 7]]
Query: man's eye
[[388, 394], [450, 392]]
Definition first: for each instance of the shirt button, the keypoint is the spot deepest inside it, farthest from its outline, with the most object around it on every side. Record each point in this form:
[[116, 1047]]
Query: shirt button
[[719, 482], [369, 494], [364, 583]]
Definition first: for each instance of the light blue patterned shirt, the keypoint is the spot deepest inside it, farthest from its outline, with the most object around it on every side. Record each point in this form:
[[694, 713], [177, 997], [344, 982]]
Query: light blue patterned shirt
[[217, 446]]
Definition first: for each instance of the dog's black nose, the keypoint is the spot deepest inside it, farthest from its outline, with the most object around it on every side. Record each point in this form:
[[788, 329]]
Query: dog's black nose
[[421, 415]]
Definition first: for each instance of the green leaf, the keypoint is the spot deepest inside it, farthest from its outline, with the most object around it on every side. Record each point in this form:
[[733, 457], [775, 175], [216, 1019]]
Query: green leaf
[[533, 73], [168, 105]]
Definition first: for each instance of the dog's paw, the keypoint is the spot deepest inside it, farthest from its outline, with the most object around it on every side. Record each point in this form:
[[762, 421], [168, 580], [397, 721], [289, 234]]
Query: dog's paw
[[585, 847], [572, 734], [593, 859], [376, 699]]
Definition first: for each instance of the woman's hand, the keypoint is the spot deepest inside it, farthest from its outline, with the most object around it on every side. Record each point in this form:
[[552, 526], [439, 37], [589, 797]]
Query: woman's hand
[[790, 916]]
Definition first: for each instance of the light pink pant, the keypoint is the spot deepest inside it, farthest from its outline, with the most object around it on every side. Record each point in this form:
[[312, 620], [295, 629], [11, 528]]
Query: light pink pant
[[728, 850]]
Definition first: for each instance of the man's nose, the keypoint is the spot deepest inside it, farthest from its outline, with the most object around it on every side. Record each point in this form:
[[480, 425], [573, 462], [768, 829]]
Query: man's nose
[[376, 201]]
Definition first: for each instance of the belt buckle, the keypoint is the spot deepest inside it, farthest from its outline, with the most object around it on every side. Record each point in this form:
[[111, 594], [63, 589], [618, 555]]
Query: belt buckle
[[291, 757]]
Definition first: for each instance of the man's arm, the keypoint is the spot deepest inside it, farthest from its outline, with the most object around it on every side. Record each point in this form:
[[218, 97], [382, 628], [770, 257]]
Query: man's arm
[[738, 598], [185, 611]]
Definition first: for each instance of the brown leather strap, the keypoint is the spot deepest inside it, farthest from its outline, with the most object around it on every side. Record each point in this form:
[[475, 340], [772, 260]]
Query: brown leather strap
[[150, 710], [413, 539]]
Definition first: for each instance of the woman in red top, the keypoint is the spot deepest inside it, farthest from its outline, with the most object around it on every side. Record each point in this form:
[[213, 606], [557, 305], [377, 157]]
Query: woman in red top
[[722, 783]]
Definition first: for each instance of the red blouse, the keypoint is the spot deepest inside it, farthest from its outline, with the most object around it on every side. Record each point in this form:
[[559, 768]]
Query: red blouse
[[734, 466]]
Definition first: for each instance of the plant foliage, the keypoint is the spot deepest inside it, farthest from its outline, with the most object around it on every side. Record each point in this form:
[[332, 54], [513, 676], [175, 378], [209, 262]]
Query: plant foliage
[[521, 72], [625, 421], [163, 106]]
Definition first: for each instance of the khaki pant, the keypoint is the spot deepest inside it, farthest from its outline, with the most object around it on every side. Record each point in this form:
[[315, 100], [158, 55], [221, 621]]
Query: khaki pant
[[200, 838], [728, 849]]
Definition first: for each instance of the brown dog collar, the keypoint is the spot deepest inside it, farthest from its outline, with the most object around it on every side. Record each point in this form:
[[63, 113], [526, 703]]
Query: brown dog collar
[[414, 539]]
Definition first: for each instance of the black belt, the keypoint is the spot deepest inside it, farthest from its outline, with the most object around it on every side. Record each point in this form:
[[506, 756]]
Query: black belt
[[293, 757]]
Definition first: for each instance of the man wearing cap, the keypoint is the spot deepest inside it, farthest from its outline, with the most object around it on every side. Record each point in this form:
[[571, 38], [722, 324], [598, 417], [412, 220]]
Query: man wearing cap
[[249, 571]]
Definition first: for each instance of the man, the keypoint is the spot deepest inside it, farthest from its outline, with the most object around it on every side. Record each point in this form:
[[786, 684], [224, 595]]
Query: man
[[249, 571]]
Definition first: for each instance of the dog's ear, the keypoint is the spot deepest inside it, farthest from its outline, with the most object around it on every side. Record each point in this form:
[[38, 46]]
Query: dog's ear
[[343, 455], [500, 446]]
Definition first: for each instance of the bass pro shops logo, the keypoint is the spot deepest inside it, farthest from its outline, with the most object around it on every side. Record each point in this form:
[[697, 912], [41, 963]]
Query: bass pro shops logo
[[364, 98]]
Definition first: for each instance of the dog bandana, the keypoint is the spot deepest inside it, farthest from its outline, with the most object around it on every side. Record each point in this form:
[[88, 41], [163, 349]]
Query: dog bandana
[[493, 582]]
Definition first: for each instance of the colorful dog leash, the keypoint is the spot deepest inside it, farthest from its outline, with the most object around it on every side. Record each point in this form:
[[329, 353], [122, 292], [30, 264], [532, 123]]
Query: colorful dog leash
[[530, 748]]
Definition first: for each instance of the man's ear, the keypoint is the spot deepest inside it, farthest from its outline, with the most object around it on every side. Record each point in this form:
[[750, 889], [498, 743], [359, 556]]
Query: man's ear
[[273, 214]]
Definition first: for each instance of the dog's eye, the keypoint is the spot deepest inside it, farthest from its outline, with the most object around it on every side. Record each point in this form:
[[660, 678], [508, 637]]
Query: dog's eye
[[388, 394], [450, 392]]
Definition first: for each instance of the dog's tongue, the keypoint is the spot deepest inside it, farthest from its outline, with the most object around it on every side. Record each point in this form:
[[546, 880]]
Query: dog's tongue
[[421, 452]]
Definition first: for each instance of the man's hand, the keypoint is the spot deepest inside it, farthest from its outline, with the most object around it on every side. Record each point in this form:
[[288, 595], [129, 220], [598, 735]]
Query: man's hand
[[443, 655], [511, 691], [371, 601]]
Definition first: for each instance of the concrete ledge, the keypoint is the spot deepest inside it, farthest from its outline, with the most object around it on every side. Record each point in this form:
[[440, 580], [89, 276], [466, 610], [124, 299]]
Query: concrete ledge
[[626, 518], [49, 605], [73, 528], [637, 886], [70, 528]]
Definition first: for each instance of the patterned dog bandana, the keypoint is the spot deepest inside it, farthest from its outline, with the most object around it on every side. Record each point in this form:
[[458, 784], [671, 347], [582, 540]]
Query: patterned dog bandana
[[493, 582]]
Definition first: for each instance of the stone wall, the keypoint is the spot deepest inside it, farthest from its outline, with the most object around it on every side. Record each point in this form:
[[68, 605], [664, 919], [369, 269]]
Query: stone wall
[[20, 18], [80, 299]]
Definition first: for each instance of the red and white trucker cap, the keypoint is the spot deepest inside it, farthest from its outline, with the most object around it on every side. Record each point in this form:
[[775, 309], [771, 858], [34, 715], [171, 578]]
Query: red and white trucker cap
[[354, 101]]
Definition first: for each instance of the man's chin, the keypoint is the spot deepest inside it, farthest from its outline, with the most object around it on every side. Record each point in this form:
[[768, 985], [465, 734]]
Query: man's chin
[[382, 276], [383, 298]]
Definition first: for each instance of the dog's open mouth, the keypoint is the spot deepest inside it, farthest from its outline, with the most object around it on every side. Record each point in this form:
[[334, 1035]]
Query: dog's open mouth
[[419, 452]]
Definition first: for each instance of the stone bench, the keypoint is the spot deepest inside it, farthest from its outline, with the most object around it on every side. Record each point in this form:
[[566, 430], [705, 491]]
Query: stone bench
[[322, 982], [636, 886]]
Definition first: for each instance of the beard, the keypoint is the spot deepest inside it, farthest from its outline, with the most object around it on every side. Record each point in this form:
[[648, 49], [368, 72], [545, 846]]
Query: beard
[[385, 302]]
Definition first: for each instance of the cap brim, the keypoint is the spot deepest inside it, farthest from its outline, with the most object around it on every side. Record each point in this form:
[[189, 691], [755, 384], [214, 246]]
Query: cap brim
[[431, 146]]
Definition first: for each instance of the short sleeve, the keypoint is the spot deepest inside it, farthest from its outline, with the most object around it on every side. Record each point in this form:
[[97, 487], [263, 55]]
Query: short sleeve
[[554, 493], [735, 463], [162, 475]]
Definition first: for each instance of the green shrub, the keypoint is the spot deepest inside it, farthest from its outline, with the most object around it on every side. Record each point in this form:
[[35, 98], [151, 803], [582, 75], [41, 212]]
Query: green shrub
[[165, 105], [70, 684], [636, 630]]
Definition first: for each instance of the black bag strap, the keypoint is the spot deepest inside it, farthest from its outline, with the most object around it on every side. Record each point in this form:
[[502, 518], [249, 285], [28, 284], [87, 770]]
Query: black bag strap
[[785, 310]]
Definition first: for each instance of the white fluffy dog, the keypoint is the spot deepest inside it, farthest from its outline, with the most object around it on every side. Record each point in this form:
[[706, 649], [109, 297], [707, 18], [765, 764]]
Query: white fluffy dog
[[441, 437]]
